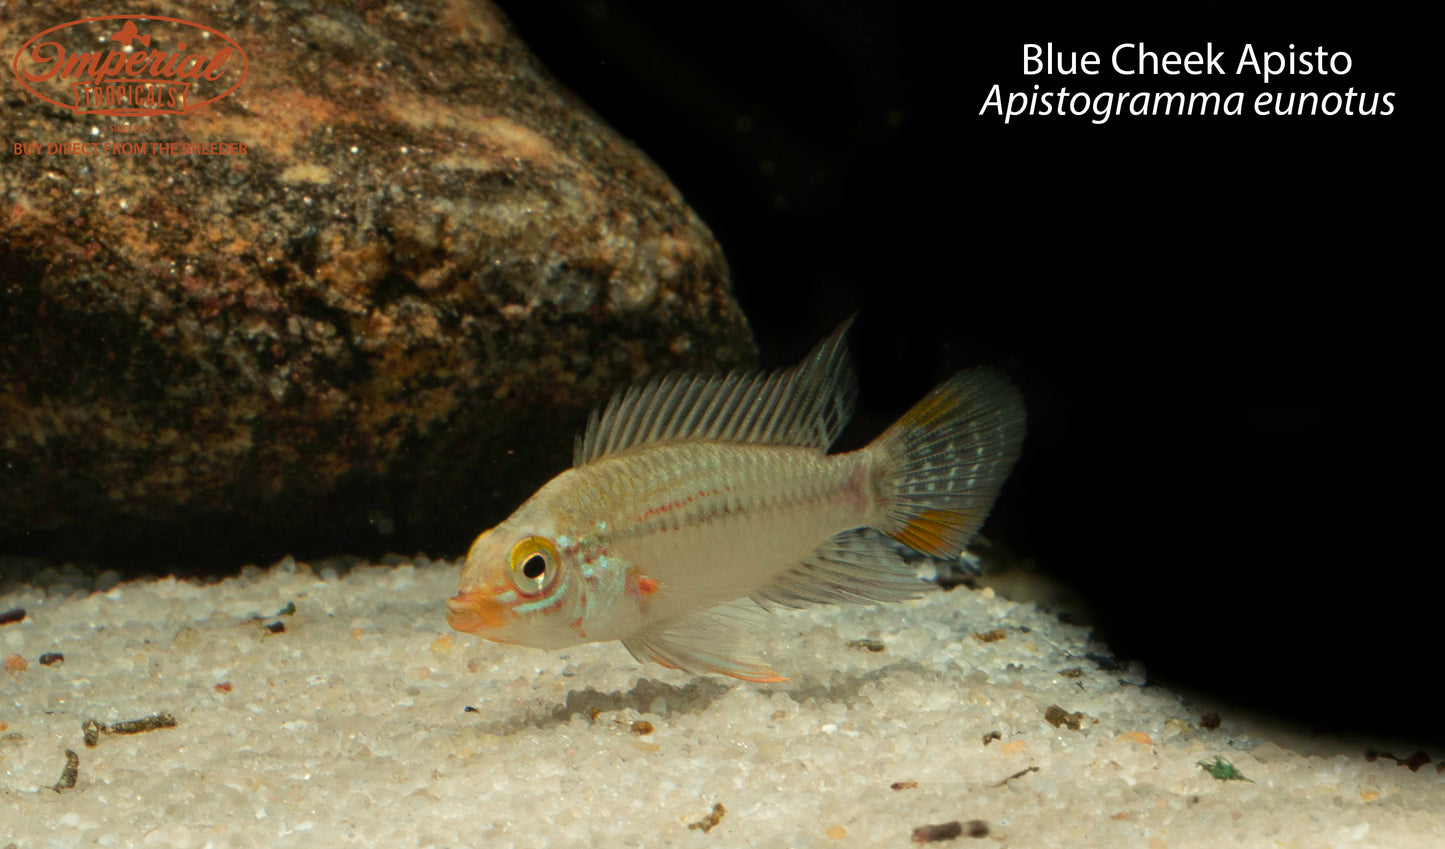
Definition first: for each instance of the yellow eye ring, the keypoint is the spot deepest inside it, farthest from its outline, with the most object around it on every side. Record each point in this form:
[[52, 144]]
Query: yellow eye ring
[[533, 565]]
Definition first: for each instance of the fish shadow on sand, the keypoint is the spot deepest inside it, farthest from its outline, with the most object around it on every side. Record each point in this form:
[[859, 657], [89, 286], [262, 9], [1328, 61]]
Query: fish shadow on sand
[[827, 686], [691, 697], [697, 695]]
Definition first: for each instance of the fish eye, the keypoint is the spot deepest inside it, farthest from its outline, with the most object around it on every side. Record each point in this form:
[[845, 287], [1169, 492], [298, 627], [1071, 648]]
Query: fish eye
[[533, 565]]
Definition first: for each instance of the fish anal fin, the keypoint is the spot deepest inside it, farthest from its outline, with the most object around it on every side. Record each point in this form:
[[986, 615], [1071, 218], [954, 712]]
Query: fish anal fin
[[854, 567], [718, 640]]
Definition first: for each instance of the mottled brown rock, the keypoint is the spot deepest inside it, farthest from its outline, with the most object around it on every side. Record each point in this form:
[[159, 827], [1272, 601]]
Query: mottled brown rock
[[391, 313]]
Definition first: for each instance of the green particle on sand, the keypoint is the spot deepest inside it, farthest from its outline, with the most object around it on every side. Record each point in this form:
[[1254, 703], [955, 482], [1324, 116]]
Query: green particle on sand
[[276, 627], [288, 610], [1223, 770]]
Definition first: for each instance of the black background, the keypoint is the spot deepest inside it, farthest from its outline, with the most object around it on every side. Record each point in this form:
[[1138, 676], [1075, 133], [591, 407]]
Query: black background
[[1224, 325]]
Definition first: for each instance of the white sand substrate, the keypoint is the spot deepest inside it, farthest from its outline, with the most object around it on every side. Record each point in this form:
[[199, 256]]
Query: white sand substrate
[[367, 722]]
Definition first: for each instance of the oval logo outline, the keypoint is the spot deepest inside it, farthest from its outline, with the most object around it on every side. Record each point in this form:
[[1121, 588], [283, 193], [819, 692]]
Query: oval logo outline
[[130, 112]]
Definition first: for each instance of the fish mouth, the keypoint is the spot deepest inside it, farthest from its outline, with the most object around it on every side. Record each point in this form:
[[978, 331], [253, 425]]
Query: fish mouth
[[474, 611]]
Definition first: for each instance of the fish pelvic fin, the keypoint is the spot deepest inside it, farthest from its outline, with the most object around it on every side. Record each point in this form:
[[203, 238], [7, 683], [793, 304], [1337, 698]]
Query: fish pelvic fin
[[855, 567], [720, 640], [939, 468]]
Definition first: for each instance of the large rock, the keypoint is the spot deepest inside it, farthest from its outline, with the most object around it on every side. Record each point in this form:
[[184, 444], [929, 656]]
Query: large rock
[[377, 328]]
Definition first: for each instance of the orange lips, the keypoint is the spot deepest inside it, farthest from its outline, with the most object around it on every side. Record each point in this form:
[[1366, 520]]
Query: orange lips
[[473, 612]]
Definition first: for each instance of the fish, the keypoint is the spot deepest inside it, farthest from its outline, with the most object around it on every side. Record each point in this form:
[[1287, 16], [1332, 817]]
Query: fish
[[697, 503]]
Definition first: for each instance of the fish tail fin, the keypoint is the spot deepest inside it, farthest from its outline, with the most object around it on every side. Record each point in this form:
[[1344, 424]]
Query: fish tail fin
[[938, 469]]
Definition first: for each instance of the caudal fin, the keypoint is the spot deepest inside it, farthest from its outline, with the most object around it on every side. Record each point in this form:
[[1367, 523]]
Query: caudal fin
[[939, 468]]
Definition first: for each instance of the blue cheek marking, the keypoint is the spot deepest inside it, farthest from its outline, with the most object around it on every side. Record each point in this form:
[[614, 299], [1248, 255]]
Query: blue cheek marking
[[533, 606], [547, 603]]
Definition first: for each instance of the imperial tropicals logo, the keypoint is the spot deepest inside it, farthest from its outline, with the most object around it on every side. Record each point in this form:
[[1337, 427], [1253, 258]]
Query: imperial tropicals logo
[[130, 65]]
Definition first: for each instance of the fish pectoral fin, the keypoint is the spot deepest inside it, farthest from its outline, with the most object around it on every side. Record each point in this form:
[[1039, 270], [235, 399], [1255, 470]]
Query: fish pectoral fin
[[855, 567], [718, 640]]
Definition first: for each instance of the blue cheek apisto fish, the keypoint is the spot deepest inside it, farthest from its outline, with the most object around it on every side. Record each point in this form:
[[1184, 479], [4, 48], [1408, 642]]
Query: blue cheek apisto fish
[[696, 501]]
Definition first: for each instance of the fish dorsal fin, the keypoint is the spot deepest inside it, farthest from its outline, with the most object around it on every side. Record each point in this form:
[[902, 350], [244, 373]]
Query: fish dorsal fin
[[806, 405]]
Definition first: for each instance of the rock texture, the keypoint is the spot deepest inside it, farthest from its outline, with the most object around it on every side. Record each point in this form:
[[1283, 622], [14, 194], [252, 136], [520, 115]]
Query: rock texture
[[376, 329]]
